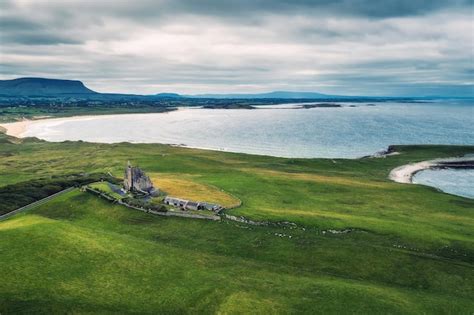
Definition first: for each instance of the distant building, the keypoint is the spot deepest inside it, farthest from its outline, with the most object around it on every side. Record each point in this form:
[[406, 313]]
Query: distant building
[[191, 205], [177, 202], [135, 180]]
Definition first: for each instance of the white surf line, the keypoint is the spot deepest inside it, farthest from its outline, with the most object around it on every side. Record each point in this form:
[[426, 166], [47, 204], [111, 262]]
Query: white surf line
[[404, 174]]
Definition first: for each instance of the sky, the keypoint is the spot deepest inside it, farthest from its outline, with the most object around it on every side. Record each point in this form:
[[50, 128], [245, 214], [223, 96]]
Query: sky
[[350, 47]]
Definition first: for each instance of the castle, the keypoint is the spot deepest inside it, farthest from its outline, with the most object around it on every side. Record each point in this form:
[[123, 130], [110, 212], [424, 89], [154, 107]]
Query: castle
[[138, 183], [135, 180]]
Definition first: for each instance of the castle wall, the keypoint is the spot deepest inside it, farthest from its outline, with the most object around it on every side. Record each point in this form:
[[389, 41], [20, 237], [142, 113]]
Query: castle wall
[[136, 179]]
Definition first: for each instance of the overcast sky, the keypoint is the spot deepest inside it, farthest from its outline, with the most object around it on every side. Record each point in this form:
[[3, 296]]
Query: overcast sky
[[353, 47]]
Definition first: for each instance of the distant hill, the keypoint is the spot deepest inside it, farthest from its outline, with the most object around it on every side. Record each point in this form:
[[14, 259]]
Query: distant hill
[[170, 95], [51, 88], [42, 87], [276, 94]]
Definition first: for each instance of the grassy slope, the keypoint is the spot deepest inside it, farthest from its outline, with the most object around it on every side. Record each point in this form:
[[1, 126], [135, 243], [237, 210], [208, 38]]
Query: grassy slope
[[89, 255], [78, 253]]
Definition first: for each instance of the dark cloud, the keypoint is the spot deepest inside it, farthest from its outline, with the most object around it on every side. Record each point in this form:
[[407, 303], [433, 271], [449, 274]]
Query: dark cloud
[[35, 38], [11, 23], [365, 8], [20, 30], [243, 10]]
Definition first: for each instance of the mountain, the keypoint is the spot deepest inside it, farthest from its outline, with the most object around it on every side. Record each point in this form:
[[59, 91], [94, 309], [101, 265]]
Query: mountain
[[275, 94], [43, 87], [168, 95]]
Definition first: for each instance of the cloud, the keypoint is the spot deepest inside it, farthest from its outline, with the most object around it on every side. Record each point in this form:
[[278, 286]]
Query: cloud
[[245, 8], [338, 46]]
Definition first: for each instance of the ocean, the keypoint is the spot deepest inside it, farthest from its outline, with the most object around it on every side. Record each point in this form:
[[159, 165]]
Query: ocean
[[454, 181], [347, 132]]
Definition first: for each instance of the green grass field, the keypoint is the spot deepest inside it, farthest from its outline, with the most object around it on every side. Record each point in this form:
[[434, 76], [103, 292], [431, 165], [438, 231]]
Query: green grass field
[[105, 187], [411, 250]]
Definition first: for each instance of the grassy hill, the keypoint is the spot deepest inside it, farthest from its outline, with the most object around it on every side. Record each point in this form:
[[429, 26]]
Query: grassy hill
[[410, 249]]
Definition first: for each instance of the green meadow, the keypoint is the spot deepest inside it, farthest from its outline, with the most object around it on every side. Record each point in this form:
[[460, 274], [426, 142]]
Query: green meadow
[[406, 249], [105, 187]]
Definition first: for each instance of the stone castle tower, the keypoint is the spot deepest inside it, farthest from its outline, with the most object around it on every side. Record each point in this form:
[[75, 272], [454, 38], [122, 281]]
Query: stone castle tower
[[136, 180]]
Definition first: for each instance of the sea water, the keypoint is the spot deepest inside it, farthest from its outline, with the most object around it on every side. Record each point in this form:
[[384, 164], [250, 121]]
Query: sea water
[[285, 131], [454, 181]]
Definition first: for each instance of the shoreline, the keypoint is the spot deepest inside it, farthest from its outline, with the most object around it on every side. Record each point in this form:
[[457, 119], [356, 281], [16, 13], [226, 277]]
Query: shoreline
[[404, 174], [401, 174], [18, 128]]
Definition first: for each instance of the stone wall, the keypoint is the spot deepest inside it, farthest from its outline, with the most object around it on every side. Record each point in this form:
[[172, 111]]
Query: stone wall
[[166, 214]]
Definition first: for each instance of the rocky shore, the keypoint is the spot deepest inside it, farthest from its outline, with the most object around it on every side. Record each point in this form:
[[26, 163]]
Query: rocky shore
[[383, 153]]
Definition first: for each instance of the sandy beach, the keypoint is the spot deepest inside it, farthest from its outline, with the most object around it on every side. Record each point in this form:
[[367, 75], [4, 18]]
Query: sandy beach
[[16, 129], [404, 174]]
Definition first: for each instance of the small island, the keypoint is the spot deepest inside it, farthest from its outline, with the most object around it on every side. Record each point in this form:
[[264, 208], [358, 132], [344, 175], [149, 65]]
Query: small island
[[229, 106], [320, 105]]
